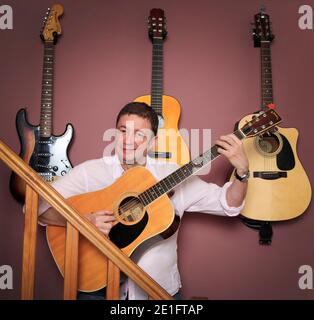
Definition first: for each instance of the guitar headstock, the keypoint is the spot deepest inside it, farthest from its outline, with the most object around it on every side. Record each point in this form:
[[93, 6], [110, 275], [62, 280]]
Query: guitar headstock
[[157, 24], [51, 26], [261, 123], [262, 28]]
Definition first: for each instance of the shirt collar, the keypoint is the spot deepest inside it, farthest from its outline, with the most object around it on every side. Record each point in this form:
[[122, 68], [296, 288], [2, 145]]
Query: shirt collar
[[117, 169]]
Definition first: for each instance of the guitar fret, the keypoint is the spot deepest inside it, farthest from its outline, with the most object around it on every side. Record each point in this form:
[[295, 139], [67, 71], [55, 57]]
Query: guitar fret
[[164, 182], [157, 74], [154, 192], [150, 196], [157, 191], [143, 199], [266, 74], [46, 95], [168, 183], [147, 197]]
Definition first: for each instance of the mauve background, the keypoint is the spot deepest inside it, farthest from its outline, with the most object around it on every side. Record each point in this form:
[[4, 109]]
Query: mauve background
[[103, 61]]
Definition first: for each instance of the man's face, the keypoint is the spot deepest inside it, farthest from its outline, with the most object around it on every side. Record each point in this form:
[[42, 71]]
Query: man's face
[[134, 138]]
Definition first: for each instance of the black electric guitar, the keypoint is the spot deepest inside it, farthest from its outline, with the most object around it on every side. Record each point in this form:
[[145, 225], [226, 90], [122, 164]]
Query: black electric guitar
[[44, 152], [278, 188]]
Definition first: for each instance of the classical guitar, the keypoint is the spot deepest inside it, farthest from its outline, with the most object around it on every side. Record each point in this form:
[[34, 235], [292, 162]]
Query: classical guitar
[[141, 206], [276, 171], [44, 152], [170, 146]]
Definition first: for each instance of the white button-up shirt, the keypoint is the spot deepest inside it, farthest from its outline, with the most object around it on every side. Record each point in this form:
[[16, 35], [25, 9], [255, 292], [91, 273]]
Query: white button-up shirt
[[159, 259]]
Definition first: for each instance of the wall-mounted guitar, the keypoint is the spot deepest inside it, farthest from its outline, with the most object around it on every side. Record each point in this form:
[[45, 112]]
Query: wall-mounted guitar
[[170, 146], [141, 206], [44, 152], [278, 188]]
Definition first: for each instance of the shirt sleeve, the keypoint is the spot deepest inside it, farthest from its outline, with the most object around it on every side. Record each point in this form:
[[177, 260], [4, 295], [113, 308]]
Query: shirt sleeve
[[75, 182], [200, 196]]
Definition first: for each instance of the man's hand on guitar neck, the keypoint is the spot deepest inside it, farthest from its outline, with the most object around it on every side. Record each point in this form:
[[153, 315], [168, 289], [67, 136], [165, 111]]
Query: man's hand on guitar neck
[[232, 148]]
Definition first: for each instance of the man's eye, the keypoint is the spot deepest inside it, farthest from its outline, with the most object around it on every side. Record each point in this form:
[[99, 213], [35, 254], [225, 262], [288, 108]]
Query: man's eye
[[140, 134]]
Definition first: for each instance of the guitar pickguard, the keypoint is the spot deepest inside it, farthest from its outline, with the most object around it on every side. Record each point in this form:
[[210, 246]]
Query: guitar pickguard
[[285, 158], [49, 157], [122, 235]]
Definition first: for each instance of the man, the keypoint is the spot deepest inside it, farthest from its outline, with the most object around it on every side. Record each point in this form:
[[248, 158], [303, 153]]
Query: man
[[136, 126]]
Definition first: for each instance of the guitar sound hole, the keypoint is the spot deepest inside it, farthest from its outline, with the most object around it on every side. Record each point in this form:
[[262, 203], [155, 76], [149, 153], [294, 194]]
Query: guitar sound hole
[[130, 210], [269, 144]]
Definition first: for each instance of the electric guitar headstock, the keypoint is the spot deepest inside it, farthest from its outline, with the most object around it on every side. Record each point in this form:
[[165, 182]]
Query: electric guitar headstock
[[262, 28], [51, 26], [261, 123], [157, 24]]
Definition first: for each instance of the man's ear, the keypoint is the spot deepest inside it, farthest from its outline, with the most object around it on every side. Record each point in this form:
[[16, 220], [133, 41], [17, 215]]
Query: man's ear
[[153, 142]]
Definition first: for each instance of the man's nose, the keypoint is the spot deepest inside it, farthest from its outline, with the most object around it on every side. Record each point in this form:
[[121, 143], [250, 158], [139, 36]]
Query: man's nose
[[129, 138]]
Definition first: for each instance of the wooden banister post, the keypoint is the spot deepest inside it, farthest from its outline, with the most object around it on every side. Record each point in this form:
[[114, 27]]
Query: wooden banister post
[[87, 230], [29, 244], [71, 263], [113, 286]]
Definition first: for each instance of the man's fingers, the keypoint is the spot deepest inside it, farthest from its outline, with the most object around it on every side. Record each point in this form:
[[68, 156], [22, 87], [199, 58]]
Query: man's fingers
[[231, 139], [223, 151], [223, 144], [103, 212], [100, 217], [235, 138], [105, 218]]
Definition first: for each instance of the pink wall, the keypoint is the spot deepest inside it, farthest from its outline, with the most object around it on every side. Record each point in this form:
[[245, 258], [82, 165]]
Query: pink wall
[[103, 61]]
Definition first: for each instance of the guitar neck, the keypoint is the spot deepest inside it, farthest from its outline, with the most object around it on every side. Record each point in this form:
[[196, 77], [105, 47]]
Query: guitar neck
[[183, 173], [47, 91], [266, 72], [157, 75]]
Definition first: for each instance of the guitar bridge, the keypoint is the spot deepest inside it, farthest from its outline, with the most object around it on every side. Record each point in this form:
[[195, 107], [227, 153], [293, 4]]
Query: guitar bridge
[[270, 175], [157, 154]]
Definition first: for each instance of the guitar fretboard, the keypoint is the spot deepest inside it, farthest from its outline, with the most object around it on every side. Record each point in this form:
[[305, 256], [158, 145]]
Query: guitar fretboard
[[168, 183], [266, 72], [47, 91], [157, 75]]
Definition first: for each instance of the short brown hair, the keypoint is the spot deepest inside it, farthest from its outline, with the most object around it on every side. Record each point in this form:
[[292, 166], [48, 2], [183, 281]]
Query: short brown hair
[[142, 110]]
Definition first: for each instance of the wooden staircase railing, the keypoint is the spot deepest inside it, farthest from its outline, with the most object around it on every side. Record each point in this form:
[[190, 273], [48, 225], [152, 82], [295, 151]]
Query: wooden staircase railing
[[76, 224]]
